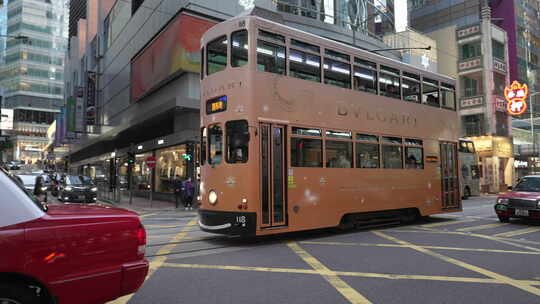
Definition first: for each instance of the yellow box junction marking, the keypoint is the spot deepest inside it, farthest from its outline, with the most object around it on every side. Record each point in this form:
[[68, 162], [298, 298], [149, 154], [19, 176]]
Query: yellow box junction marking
[[148, 214], [346, 273], [429, 247], [517, 232], [516, 283], [158, 261], [449, 222], [342, 287], [481, 227]]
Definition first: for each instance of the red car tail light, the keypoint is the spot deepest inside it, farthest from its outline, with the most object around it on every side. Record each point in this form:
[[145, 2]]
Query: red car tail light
[[141, 240]]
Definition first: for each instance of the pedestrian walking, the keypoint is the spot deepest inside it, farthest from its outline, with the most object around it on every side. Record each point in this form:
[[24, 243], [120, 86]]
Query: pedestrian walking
[[189, 191], [178, 190]]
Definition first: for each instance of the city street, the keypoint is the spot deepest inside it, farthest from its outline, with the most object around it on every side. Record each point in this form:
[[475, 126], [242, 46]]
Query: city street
[[467, 257]]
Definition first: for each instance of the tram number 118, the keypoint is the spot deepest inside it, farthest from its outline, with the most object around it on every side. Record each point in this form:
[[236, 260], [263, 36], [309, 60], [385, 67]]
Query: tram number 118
[[241, 221]]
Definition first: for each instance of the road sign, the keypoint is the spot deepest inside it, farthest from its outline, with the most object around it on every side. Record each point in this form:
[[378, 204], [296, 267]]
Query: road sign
[[151, 162]]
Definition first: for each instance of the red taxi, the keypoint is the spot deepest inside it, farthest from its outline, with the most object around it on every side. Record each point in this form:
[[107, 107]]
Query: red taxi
[[69, 253], [523, 201]]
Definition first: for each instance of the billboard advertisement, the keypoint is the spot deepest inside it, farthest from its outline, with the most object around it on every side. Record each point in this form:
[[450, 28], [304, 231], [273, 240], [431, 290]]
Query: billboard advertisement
[[175, 49], [7, 119]]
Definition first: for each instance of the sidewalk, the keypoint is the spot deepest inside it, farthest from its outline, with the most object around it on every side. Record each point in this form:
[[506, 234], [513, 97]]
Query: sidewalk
[[142, 204]]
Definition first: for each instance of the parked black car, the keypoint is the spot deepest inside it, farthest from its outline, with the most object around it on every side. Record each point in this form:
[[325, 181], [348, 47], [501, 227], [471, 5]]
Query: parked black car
[[77, 188]]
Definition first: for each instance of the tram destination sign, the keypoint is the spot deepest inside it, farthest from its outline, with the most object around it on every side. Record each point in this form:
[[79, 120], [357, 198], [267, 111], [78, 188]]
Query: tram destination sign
[[216, 105]]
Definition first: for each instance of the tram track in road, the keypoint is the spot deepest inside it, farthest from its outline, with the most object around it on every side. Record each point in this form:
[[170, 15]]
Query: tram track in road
[[188, 241]]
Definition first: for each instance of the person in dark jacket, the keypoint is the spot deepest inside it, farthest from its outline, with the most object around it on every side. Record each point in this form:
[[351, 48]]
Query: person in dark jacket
[[178, 190], [189, 191]]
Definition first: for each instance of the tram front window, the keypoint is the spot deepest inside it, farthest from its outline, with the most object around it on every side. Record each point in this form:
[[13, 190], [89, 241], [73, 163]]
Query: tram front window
[[215, 143], [237, 141]]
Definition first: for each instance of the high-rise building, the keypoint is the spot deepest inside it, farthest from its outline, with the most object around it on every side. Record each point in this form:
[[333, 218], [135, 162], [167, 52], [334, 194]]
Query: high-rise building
[[31, 75], [477, 52]]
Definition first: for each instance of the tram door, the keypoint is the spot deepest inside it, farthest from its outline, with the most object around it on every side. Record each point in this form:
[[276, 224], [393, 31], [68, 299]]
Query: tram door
[[449, 175], [273, 166]]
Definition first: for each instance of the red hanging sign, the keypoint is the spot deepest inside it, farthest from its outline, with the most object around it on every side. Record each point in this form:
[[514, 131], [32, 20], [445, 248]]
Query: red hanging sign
[[516, 95]]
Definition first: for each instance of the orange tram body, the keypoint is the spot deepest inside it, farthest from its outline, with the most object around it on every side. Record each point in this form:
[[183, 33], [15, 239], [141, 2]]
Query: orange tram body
[[300, 132]]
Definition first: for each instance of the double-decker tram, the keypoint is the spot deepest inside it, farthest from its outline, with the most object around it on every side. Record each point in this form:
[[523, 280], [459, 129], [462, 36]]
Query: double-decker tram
[[301, 132]]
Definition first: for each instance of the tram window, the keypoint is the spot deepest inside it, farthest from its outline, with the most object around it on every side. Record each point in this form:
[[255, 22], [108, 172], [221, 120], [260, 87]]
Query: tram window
[[337, 73], [367, 155], [203, 146], [239, 48], [305, 66], [306, 131], [215, 144], [411, 90], [391, 140], [414, 158], [392, 158], [270, 57], [470, 147], [430, 93], [216, 55], [339, 134], [365, 80], [414, 142], [463, 146], [448, 96], [306, 152], [336, 55], [237, 141], [365, 137], [475, 172], [271, 36], [306, 46], [389, 85], [365, 63], [338, 154]]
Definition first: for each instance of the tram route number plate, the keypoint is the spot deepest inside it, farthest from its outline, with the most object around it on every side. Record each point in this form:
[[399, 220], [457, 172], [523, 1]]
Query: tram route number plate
[[241, 220], [521, 212]]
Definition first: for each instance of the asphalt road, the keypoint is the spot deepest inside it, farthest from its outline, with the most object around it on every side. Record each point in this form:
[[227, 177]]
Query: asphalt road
[[466, 257]]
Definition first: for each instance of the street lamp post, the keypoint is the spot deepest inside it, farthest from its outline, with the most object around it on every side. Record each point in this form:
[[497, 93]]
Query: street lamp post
[[531, 111]]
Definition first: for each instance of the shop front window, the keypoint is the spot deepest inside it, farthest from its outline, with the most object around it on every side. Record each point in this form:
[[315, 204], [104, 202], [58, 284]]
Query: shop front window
[[142, 173], [170, 166]]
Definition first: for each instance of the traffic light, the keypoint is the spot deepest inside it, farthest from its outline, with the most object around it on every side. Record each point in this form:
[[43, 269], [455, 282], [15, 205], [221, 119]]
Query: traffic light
[[189, 152], [131, 158]]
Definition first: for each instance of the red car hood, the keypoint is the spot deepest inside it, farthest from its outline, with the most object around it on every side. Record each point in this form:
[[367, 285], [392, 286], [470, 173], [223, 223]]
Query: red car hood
[[84, 210], [521, 194]]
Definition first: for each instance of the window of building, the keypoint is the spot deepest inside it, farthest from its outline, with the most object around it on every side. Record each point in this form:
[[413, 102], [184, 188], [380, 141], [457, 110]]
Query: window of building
[[430, 92], [499, 82], [237, 141], [142, 174], [367, 151], [473, 125], [448, 96], [306, 152], [470, 86], [498, 49], [392, 153], [389, 82], [471, 50], [501, 122], [411, 87], [304, 66], [215, 144], [203, 145], [170, 166], [239, 48], [216, 55], [270, 57], [337, 73]]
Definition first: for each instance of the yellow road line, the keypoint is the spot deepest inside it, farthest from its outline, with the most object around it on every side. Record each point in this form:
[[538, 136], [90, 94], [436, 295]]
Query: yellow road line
[[429, 247], [161, 226], [158, 261], [481, 227], [342, 287], [499, 277], [148, 214], [345, 273], [450, 222], [517, 232]]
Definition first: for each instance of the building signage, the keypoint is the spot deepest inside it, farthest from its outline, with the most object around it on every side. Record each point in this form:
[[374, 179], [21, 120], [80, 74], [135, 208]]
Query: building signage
[[516, 96], [500, 104], [91, 99], [472, 101], [499, 66], [466, 32], [520, 164], [470, 64], [7, 119]]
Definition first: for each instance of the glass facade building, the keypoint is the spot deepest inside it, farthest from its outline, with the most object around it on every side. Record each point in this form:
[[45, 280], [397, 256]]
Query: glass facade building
[[32, 72]]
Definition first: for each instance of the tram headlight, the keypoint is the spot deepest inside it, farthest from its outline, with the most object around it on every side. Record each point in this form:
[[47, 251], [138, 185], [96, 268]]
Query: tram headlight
[[212, 197]]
